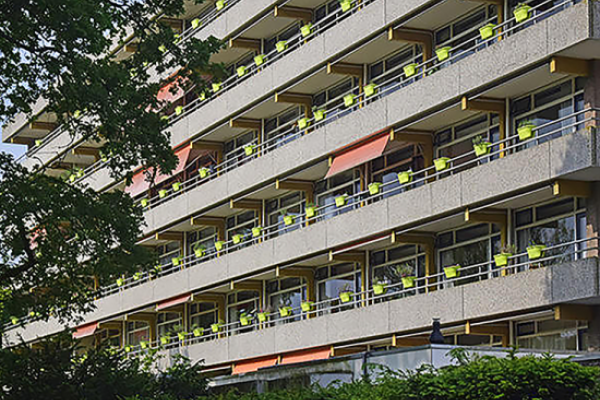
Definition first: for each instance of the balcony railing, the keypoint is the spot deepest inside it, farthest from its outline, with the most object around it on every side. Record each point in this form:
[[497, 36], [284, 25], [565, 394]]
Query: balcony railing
[[388, 83], [517, 263], [568, 124]]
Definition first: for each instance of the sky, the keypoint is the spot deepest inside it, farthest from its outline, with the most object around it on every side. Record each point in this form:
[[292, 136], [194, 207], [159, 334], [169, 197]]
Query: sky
[[14, 149]]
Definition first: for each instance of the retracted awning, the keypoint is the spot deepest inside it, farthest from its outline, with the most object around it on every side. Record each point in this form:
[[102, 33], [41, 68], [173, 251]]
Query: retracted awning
[[85, 330], [321, 353], [358, 155], [253, 365], [166, 93], [175, 301]]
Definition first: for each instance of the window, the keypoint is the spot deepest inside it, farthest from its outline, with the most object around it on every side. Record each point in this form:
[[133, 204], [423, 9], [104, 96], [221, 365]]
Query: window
[[204, 237], [167, 323], [245, 61], [292, 204], [241, 224], [243, 301], [385, 169], [203, 315], [389, 71], [138, 331], [287, 292], [332, 98], [334, 279], [384, 263], [234, 149], [167, 252], [551, 335], [278, 129], [109, 337], [325, 10], [551, 224], [286, 34], [327, 190]]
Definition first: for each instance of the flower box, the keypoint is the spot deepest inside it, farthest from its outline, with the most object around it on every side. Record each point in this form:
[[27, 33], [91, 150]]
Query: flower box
[[162, 48], [452, 271], [285, 311], [526, 131], [176, 261], [241, 71], [535, 251], [120, 282], [144, 344], [202, 96], [256, 231], [370, 90], [379, 289], [181, 336], [80, 173], [311, 211], [165, 339], [306, 29], [303, 123], [374, 188], [487, 31], [38, 142], [245, 320], [408, 281], [162, 193], [281, 46], [340, 201], [346, 297], [144, 202], [216, 328], [482, 149], [288, 219], [308, 306], [137, 276], [237, 239], [219, 245], [204, 172], [410, 69], [249, 150], [319, 115], [346, 5], [198, 332], [349, 100], [405, 177], [14, 320], [441, 164], [216, 87], [443, 53], [178, 110], [200, 252], [195, 23], [262, 317], [220, 4], [72, 178], [176, 186], [501, 259], [521, 13], [259, 60], [128, 349]]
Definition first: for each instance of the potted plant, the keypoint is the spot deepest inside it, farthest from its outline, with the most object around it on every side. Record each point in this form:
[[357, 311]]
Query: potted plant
[[288, 219], [345, 293], [259, 60], [219, 245], [162, 193], [521, 12], [525, 129], [406, 274], [349, 100], [311, 210], [506, 252], [216, 87], [181, 333], [249, 149], [374, 188], [165, 339], [452, 271], [241, 71], [176, 186], [443, 53], [216, 327], [245, 318], [441, 164], [487, 31], [303, 123], [199, 250], [204, 172], [263, 315], [370, 89], [285, 311], [281, 46], [38, 142], [178, 110], [237, 238], [197, 331], [14, 320], [535, 251], [120, 282], [379, 286], [410, 69], [306, 29], [144, 202], [308, 306], [162, 48], [144, 344], [405, 177], [346, 5], [220, 4], [137, 276], [256, 231], [480, 146], [319, 115], [340, 201], [195, 23]]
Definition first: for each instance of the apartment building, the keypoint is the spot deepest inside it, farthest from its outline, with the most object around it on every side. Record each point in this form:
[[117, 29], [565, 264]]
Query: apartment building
[[367, 166]]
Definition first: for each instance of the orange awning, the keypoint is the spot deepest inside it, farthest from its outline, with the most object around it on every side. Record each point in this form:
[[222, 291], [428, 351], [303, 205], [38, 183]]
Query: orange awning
[[139, 183], [175, 301], [253, 365], [358, 155], [165, 93], [321, 353], [85, 330]]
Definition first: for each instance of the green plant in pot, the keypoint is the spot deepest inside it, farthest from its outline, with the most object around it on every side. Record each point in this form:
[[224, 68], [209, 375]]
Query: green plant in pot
[[237, 238], [204, 172], [441, 164], [522, 12], [242, 70], [349, 100], [256, 231], [341, 200], [535, 251], [178, 110], [245, 318], [374, 188], [176, 261], [481, 146], [176, 186], [216, 87], [144, 344], [165, 339], [144, 203], [162, 193], [406, 272], [220, 4], [197, 331], [263, 314], [452, 271], [345, 293], [507, 251], [199, 250], [249, 149], [370, 90], [306, 30], [285, 311], [525, 130], [288, 219], [311, 210], [308, 306], [319, 115], [487, 31], [405, 177], [259, 60], [281, 46], [217, 327], [379, 286], [303, 123], [346, 5], [219, 244], [181, 333], [410, 69], [196, 23], [443, 53]]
